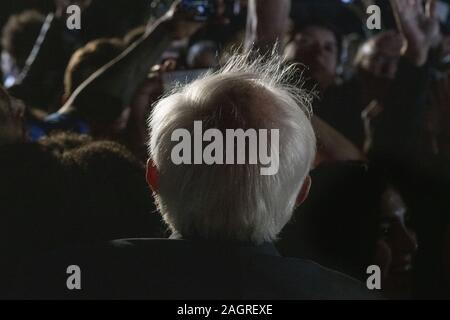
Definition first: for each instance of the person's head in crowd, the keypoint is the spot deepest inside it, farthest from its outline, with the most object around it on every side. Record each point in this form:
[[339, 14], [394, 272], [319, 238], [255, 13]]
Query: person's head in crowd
[[233, 202], [106, 117], [30, 187], [377, 59], [11, 119], [88, 59], [18, 38], [111, 199], [318, 47], [145, 96], [202, 54], [31, 205], [396, 246], [62, 142], [337, 226]]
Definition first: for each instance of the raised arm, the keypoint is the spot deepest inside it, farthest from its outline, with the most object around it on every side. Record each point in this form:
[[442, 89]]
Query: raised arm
[[397, 133], [267, 23], [418, 22], [120, 78]]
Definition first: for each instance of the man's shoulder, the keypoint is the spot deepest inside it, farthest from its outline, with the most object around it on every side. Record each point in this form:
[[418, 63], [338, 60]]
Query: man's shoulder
[[305, 279], [264, 273], [169, 269]]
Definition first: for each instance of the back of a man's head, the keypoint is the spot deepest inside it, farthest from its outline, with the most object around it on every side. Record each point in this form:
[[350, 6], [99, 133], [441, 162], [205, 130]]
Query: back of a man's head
[[241, 193]]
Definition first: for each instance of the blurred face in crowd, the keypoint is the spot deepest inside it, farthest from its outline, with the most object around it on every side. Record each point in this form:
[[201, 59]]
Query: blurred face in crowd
[[317, 48], [380, 55], [148, 92], [202, 55], [397, 243]]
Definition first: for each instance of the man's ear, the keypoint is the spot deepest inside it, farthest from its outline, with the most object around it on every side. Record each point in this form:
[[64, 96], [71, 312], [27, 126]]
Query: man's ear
[[304, 191], [152, 176]]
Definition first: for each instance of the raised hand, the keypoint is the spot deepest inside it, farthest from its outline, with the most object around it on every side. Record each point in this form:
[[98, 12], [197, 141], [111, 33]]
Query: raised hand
[[267, 23], [419, 25]]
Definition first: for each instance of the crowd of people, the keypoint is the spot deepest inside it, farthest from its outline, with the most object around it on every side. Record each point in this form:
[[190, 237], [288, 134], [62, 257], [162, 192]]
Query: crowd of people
[[86, 176]]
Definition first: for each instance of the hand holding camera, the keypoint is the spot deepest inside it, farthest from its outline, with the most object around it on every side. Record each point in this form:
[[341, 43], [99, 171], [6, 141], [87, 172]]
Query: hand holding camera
[[185, 17]]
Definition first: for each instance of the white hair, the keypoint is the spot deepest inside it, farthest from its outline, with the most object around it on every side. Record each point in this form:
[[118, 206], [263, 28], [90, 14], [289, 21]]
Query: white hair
[[234, 202]]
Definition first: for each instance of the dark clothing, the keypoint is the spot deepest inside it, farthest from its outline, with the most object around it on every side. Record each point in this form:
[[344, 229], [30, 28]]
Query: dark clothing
[[423, 178], [341, 107], [399, 127], [181, 269]]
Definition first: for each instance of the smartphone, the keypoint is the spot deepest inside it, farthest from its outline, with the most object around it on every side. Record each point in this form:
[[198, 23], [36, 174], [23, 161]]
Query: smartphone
[[203, 10]]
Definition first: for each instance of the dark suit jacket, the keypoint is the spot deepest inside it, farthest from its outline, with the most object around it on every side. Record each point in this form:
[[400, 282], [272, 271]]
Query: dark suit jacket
[[184, 270]]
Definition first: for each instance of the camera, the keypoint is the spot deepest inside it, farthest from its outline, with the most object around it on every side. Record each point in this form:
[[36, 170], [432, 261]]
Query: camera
[[203, 10]]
